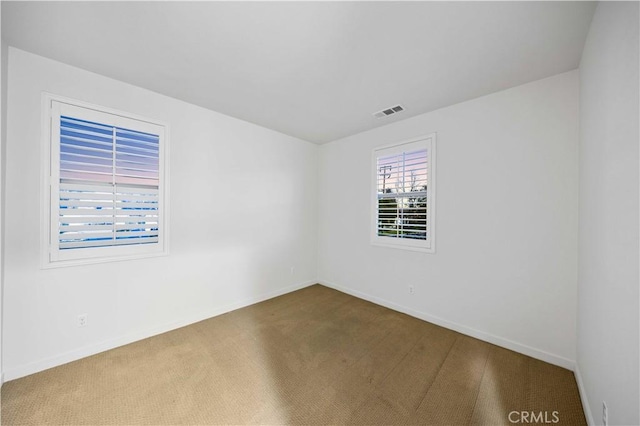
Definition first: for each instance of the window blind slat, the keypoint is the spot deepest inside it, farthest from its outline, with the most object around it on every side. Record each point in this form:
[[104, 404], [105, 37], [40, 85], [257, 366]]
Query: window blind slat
[[83, 227], [84, 176], [94, 204], [127, 180], [415, 194], [135, 149], [147, 225], [137, 165], [146, 143], [120, 155], [78, 166], [68, 236], [83, 137], [135, 198], [107, 242], [86, 158], [134, 205], [134, 134], [77, 123], [126, 191], [136, 233], [71, 144], [84, 196], [143, 174], [86, 220], [76, 188], [73, 213]]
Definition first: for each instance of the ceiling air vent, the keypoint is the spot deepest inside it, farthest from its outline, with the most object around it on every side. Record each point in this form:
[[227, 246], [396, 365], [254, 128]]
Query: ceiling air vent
[[388, 111]]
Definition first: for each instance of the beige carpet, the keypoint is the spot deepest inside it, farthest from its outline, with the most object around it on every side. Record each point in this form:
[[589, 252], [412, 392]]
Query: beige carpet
[[314, 356]]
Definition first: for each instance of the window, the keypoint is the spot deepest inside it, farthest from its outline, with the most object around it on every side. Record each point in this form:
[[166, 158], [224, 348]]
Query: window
[[105, 183], [404, 195]]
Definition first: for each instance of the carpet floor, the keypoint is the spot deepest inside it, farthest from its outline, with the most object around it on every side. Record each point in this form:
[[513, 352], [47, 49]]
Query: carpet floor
[[312, 357]]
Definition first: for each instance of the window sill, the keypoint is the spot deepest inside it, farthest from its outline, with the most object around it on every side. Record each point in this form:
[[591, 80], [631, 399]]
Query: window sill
[[89, 261], [431, 250]]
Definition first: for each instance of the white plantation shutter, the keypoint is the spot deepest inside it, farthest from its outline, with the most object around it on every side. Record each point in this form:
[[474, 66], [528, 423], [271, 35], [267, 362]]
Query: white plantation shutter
[[402, 195], [107, 184], [403, 200]]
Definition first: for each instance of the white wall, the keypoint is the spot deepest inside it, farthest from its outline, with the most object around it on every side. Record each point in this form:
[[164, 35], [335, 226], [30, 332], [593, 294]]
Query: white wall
[[243, 212], [608, 247], [505, 267]]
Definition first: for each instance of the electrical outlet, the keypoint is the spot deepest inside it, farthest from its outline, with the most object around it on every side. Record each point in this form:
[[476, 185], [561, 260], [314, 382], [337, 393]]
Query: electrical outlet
[[605, 414], [82, 320], [411, 289]]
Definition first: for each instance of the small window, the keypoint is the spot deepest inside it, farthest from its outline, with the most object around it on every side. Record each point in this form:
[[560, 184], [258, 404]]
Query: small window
[[106, 185], [404, 195]]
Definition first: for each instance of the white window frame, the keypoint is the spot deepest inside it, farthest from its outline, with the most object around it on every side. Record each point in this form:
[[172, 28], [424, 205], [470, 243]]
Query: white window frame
[[51, 256], [428, 245]]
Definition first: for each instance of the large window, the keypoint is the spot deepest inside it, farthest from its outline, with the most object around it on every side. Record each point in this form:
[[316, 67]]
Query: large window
[[404, 195], [106, 184]]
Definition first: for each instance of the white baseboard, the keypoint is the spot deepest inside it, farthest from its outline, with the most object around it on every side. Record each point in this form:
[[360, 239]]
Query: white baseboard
[[583, 396], [34, 367], [478, 334]]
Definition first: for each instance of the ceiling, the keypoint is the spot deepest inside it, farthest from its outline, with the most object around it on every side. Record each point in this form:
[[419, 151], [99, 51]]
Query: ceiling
[[313, 70]]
